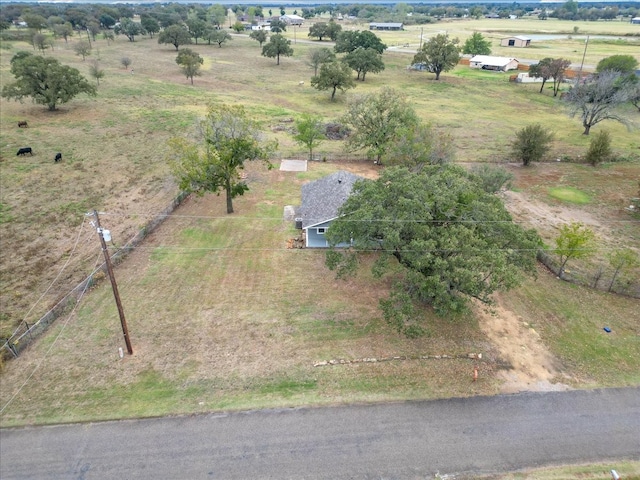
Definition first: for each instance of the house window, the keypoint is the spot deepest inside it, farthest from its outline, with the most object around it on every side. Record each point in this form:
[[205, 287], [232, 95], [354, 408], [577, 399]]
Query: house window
[[322, 231]]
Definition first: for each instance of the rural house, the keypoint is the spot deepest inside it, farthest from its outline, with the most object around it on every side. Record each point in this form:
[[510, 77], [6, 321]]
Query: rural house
[[385, 26], [635, 20], [488, 62], [518, 41], [292, 19], [321, 200]]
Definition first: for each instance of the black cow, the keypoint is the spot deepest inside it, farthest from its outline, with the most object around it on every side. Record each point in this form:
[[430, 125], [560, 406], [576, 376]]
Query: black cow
[[58, 157], [24, 151], [23, 124]]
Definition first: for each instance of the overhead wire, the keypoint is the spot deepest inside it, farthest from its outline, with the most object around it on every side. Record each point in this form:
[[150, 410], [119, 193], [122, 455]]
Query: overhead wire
[[46, 353]]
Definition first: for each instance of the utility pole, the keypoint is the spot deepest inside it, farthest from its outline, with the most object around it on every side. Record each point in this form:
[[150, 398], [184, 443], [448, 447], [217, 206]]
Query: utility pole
[[584, 54], [114, 286]]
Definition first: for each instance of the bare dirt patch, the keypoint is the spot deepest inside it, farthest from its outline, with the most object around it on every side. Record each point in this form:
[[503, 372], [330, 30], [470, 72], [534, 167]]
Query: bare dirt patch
[[528, 364]]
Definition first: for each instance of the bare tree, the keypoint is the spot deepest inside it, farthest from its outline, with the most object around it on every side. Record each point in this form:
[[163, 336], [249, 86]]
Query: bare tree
[[598, 99]]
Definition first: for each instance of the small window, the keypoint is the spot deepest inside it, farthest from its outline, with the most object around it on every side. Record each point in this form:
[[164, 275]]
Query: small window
[[322, 231]]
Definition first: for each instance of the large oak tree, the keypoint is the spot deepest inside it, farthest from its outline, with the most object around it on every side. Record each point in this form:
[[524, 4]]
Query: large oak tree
[[227, 139], [443, 236], [45, 80]]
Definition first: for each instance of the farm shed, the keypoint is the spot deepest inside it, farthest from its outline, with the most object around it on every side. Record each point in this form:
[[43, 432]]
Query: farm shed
[[386, 26], [635, 20], [488, 62], [321, 200], [292, 19], [517, 41]]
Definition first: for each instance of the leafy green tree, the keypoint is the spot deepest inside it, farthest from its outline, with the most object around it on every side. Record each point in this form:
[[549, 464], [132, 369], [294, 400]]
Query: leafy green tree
[[96, 72], [376, 119], [318, 56], [34, 21], [415, 146], [259, 36], [622, 259], [309, 132], [64, 30], [618, 63], [598, 99], [364, 60], [444, 237], [150, 24], [129, 28], [476, 44], [197, 28], [333, 30], [175, 35], [278, 45], [228, 139], [348, 41], [491, 178], [45, 80], [438, 54], [278, 26], [82, 48], [94, 29], [189, 62], [318, 30], [574, 241], [220, 36], [107, 21], [531, 143], [125, 62], [217, 14], [40, 42], [542, 70], [557, 70], [333, 76], [599, 148], [238, 27]]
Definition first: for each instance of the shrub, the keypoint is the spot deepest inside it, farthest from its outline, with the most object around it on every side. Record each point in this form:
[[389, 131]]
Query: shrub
[[531, 143], [599, 148]]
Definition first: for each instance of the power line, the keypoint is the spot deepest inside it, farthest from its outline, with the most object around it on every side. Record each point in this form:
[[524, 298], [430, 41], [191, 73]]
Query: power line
[[46, 353]]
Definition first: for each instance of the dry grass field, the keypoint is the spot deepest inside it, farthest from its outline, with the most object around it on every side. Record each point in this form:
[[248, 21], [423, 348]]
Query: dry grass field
[[220, 313]]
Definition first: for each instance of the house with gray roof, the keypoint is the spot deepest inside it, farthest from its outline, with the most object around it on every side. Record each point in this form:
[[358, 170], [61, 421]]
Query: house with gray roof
[[321, 200]]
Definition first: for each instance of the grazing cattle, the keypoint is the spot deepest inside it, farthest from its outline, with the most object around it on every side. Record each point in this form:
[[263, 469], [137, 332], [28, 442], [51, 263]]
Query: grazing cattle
[[58, 157], [24, 151], [23, 124]]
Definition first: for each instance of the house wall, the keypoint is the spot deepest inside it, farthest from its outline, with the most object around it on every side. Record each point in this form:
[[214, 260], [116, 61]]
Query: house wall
[[315, 239]]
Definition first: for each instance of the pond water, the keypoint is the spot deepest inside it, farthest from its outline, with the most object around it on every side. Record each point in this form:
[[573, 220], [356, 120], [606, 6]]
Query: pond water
[[550, 36]]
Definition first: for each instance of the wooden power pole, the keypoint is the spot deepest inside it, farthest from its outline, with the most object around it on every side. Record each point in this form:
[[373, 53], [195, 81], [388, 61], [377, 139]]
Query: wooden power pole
[[114, 286]]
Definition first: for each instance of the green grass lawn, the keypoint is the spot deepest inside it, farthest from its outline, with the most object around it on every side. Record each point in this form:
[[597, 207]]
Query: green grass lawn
[[569, 194]]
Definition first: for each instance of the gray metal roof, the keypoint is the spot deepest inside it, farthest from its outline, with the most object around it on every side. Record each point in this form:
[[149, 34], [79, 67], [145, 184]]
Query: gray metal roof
[[322, 198]]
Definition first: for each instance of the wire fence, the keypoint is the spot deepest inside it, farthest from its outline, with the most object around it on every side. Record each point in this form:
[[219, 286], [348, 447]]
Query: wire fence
[[598, 277], [25, 333]]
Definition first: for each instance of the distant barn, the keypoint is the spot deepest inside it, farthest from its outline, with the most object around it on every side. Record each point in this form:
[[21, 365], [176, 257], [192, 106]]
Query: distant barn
[[488, 62], [386, 26], [517, 41], [635, 20]]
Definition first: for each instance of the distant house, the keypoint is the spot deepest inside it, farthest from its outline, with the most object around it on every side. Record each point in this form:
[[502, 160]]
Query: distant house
[[635, 20], [321, 200], [518, 41], [262, 26], [292, 20], [488, 62], [386, 26]]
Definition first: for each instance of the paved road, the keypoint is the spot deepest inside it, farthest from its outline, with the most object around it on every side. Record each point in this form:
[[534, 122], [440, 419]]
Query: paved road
[[391, 441]]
